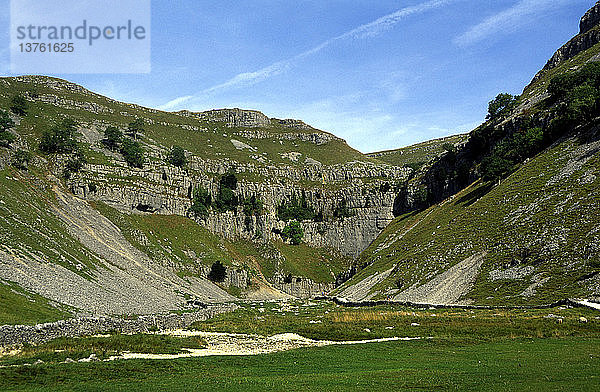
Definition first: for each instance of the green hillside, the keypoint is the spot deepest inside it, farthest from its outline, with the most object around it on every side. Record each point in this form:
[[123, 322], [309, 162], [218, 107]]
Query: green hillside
[[538, 229], [509, 216], [419, 154]]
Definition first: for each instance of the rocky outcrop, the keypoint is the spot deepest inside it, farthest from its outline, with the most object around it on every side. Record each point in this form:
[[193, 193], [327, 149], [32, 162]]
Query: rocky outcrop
[[591, 19], [299, 286], [163, 189], [588, 37], [235, 117]]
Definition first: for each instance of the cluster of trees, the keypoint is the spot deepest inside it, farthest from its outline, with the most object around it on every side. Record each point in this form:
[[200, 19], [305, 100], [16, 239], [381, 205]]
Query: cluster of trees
[[575, 97], [296, 209], [129, 147], [510, 152], [578, 96], [60, 139], [225, 200]]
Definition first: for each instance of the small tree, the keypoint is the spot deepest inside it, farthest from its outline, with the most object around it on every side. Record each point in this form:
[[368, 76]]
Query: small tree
[[5, 121], [6, 138], [112, 138], [74, 164], [293, 231], [501, 106], [133, 153], [18, 105], [21, 159], [177, 157], [217, 272], [229, 181], [136, 127], [201, 202]]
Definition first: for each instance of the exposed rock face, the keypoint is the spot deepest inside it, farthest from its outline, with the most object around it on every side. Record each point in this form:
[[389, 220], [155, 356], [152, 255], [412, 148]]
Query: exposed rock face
[[235, 117], [296, 124], [300, 287], [164, 189], [590, 19], [588, 37]]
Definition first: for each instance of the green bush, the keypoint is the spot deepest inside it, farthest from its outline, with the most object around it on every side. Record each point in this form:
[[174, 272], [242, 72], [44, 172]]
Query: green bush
[[562, 84], [112, 138], [218, 272], [201, 202], [293, 231], [229, 181], [21, 159], [6, 138], [342, 211], [226, 199], [582, 103], [60, 138], [74, 164], [253, 206], [176, 156], [136, 127], [19, 105], [133, 153]]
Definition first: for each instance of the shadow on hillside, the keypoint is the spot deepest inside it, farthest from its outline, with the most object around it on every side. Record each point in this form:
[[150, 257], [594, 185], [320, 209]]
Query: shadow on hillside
[[475, 195]]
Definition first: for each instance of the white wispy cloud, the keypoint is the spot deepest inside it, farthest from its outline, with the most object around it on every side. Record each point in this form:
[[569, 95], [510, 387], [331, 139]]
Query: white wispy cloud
[[367, 30], [175, 103], [508, 20]]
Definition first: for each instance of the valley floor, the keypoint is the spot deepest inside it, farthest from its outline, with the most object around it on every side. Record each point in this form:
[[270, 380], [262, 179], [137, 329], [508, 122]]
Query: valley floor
[[519, 364], [458, 349]]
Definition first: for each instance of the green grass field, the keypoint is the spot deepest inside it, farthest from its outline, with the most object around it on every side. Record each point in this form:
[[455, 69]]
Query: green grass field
[[483, 350], [520, 364]]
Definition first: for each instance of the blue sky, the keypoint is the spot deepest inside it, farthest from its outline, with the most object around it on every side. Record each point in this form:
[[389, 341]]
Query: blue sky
[[380, 74]]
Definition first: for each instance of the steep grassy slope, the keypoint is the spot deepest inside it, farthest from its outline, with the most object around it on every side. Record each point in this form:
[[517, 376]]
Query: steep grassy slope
[[511, 215], [419, 154], [21, 307], [539, 230]]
